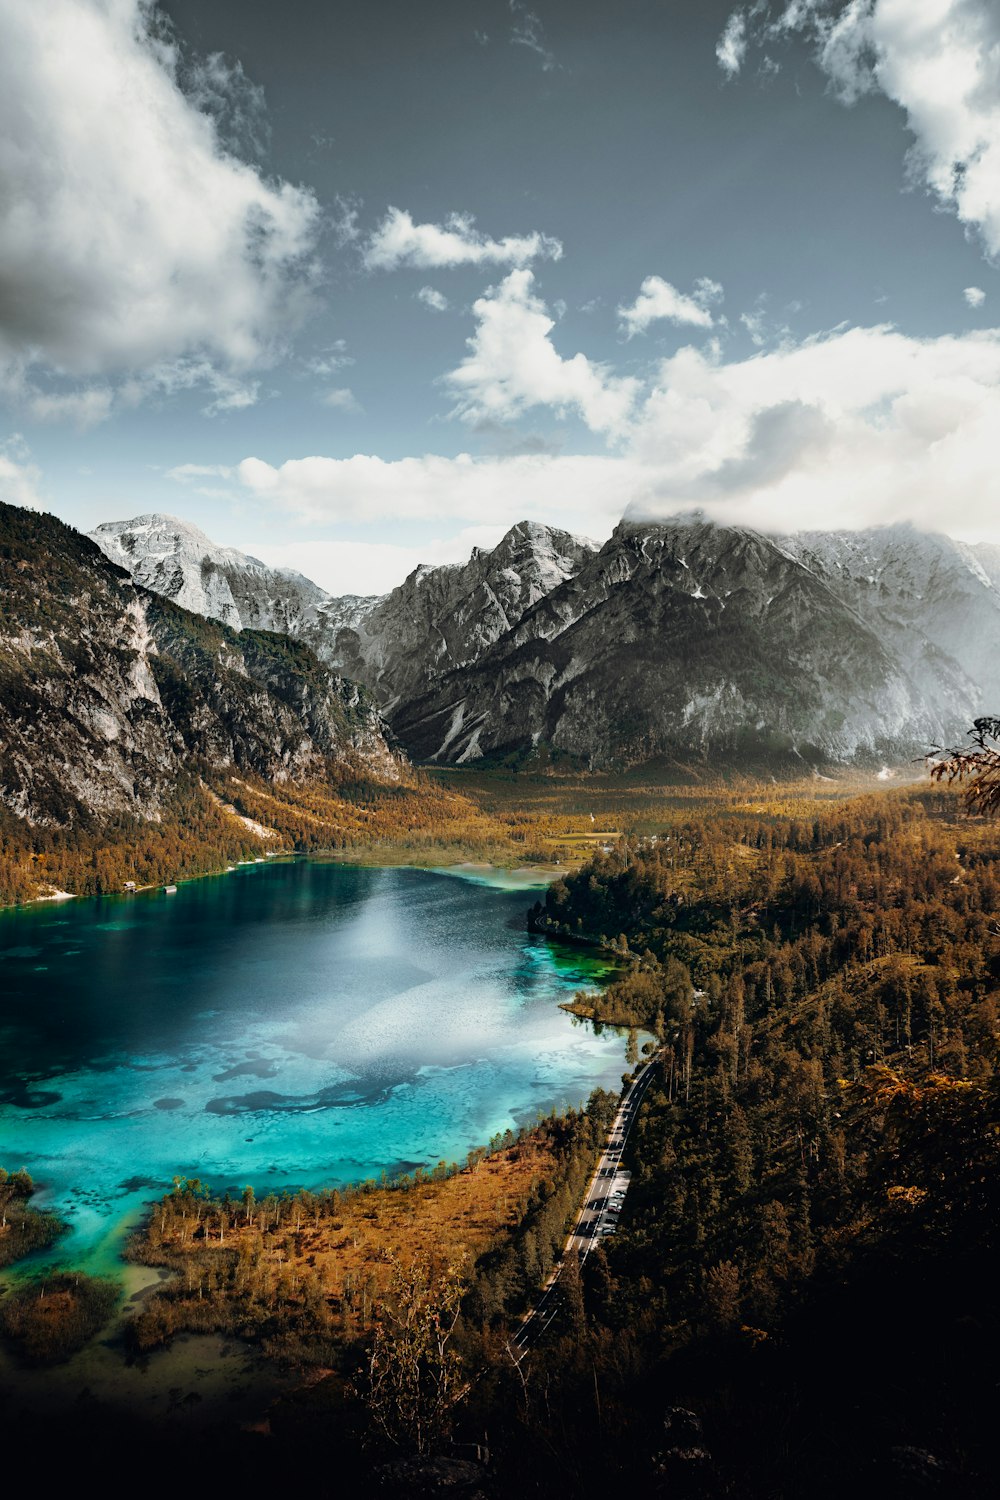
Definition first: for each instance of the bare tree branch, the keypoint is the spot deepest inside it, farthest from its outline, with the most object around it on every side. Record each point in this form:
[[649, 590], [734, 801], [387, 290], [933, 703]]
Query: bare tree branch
[[976, 766]]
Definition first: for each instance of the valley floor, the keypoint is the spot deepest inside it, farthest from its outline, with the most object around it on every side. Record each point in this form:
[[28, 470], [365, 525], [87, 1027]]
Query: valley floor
[[801, 1290]]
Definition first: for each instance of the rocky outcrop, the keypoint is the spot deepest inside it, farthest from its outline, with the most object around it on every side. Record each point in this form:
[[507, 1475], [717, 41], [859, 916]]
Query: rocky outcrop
[[173, 558], [438, 619], [108, 692]]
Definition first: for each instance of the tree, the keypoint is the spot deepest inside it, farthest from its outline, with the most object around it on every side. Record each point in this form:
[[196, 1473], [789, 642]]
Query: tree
[[978, 768], [414, 1379]]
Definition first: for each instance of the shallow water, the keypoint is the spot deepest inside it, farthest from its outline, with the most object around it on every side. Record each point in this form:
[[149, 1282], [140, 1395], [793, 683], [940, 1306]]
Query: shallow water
[[295, 1023]]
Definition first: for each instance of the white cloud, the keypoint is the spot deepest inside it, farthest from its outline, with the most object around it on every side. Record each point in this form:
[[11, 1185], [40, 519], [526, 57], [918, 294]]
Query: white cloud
[[755, 325], [731, 47], [19, 478], [186, 473], [658, 299], [435, 300], [343, 399], [351, 567], [853, 427], [581, 493], [329, 360], [130, 235], [849, 428], [939, 60], [85, 407], [398, 241], [512, 365], [843, 429], [974, 296]]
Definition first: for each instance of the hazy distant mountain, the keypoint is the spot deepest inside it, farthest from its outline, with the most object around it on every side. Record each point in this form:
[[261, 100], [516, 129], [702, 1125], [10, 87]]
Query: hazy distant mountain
[[933, 601], [108, 692], [680, 638], [175, 559]]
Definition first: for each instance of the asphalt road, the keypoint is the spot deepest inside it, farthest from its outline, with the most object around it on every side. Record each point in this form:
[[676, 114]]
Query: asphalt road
[[598, 1215]]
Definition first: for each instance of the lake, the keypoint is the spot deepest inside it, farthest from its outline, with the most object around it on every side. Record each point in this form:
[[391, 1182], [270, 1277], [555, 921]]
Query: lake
[[292, 1023]]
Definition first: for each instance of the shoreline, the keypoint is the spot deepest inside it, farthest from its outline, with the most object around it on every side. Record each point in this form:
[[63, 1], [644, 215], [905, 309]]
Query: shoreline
[[363, 858]]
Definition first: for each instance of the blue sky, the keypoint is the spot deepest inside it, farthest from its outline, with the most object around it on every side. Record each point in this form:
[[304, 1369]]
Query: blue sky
[[353, 288]]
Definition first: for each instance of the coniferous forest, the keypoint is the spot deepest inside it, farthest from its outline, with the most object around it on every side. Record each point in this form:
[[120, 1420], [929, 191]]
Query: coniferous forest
[[801, 1293]]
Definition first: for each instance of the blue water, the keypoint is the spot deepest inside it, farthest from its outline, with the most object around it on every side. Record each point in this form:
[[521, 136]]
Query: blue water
[[298, 1023]]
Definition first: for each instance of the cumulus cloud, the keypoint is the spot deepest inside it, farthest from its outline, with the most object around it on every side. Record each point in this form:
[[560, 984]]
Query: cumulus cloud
[[19, 478], [843, 429], [974, 296], [512, 365], [580, 492], [131, 235], [849, 428], [657, 299], [435, 300], [398, 241], [939, 60]]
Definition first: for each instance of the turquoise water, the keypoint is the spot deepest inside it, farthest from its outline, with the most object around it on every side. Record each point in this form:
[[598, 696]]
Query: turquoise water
[[289, 1024]]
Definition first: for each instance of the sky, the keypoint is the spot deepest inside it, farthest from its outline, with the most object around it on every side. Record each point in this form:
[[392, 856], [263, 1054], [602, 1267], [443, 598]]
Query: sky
[[358, 287]]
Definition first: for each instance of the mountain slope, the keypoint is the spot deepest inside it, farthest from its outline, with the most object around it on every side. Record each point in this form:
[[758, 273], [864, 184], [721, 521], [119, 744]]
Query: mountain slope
[[439, 618], [934, 601], [680, 638], [173, 558], [108, 693], [443, 618], [688, 638]]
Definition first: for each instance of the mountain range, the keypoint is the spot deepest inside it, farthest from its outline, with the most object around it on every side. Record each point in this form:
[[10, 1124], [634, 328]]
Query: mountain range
[[681, 638], [109, 691]]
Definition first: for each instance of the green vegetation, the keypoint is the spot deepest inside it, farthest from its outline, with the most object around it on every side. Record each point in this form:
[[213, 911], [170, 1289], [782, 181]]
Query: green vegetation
[[22, 1228], [301, 1275], [815, 1205], [801, 1294], [48, 1320]]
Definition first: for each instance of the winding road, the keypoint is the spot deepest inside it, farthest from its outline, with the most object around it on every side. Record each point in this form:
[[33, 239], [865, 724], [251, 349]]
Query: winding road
[[598, 1215]]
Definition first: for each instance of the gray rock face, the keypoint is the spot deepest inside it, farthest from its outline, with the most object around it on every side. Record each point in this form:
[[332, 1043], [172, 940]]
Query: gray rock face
[[446, 618], [691, 638], [175, 559], [439, 618], [681, 638], [109, 693]]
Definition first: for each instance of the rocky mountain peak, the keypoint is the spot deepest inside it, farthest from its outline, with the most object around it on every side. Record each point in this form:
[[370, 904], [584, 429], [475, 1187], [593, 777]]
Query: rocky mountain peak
[[174, 558]]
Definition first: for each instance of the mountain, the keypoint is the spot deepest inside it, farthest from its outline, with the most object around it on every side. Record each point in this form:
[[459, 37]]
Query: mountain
[[934, 601], [679, 638], [173, 558], [438, 619], [443, 619], [108, 692], [689, 638]]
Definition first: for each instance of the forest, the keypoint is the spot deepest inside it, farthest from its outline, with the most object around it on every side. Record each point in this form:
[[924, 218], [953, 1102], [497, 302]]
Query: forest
[[800, 1295]]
